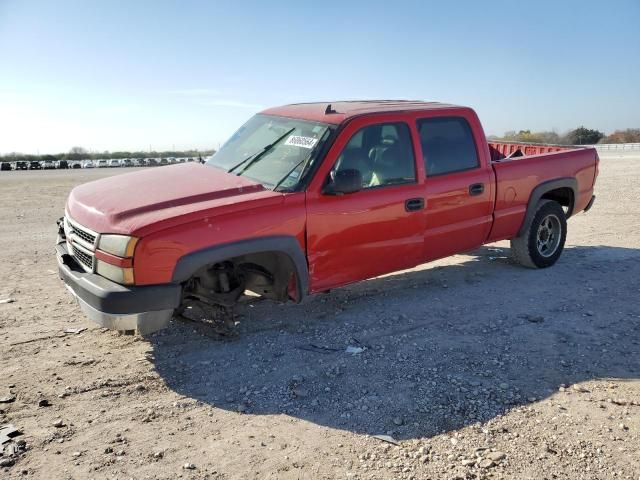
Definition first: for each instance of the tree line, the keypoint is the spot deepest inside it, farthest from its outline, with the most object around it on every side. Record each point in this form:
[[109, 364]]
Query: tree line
[[578, 136], [79, 153]]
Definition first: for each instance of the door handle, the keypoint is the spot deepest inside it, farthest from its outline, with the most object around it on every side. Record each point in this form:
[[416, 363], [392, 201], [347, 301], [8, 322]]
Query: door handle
[[414, 204], [476, 189]]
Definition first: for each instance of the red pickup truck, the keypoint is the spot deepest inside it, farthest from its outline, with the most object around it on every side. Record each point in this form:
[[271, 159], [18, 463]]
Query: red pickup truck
[[309, 197]]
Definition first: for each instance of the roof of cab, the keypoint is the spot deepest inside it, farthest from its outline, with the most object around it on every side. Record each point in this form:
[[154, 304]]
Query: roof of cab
[[339, 111]]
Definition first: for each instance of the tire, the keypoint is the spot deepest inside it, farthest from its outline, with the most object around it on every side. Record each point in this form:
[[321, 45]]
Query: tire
[[543, 241]]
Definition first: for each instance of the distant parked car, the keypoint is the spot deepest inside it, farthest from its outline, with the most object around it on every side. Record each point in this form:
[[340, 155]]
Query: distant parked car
[[102, 163], [5, 166], [75, 164], [164, 161], [181, 160], [88, 164], [152, 162], [48, 165], [62, 164], [140, 162], [127, 162], [35, 165], [20, 165], [114, 162], [172, 160]]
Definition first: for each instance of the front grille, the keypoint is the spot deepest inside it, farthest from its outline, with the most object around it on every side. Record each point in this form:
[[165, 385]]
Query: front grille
[[82, 243], [82, 234], [83, 257]]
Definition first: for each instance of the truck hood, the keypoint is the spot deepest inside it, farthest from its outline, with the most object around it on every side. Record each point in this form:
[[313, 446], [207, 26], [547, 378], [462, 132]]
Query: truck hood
[[154, 198]]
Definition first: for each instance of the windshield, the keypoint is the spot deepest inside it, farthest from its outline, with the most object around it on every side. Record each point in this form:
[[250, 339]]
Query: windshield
[[274, 151]]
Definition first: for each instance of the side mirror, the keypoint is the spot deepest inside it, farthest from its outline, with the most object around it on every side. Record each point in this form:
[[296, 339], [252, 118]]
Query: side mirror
[[345, 181]]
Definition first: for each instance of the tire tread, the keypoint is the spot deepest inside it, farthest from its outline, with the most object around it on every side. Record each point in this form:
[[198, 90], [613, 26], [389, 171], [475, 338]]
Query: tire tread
[[522, 249]]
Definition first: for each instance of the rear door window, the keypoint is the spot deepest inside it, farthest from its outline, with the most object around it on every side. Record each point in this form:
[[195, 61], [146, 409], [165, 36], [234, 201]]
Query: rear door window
[[447, 145]]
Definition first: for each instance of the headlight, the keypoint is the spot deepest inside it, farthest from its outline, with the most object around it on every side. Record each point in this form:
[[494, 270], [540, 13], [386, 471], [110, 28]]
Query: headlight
[[123, 276], [120, 245]]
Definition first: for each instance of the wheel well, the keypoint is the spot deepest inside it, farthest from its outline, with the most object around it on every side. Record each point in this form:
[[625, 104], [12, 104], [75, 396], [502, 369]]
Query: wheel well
[[268, 274], [273, 276], [564, 196]]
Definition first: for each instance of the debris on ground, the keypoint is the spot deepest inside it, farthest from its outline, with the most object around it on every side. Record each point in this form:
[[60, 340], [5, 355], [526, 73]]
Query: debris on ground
[[7, 432], [318, 349], [6, 300], [386, 438], [75, 331], [496, 456], [10, 450], [354, 350]]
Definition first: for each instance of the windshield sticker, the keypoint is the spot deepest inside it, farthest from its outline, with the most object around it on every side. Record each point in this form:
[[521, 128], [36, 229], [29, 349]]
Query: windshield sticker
[[302, 142]]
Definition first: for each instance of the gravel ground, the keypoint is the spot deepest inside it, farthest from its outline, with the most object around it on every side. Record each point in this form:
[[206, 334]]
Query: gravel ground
[[471, 366]]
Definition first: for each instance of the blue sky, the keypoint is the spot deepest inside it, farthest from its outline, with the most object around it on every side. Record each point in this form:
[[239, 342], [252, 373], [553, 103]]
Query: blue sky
[[138, 74]]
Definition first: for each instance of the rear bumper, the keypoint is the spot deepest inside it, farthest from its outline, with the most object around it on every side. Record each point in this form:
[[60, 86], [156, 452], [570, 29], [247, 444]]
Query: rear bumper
[[117, 307]]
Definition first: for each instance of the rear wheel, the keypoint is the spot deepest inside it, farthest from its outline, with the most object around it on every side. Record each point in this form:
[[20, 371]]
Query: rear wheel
[[543, 241]]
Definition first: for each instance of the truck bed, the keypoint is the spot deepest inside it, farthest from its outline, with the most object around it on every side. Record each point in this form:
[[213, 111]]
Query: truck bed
[[501, 150], [520, 168]]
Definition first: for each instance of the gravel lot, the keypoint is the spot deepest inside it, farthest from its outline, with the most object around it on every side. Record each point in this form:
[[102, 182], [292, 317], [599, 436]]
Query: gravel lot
[[475, 367]]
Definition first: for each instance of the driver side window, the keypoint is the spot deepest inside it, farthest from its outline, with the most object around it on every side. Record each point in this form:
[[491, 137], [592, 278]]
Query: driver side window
[[382, 153]]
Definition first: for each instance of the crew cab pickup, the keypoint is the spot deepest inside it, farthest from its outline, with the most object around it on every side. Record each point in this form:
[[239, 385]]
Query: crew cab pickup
[[309, 197]]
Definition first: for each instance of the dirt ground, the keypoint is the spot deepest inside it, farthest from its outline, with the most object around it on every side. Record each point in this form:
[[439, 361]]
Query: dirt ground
[[475, 367]]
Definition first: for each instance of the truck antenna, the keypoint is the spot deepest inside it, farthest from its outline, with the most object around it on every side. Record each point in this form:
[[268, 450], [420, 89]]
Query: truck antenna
[[329, 110]]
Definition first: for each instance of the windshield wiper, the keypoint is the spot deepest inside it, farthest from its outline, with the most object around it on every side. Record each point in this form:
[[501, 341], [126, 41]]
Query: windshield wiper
[[257, 156], [281, 181]]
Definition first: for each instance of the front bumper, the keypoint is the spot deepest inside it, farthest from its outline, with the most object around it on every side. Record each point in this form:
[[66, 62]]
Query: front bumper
[[117, 307]]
